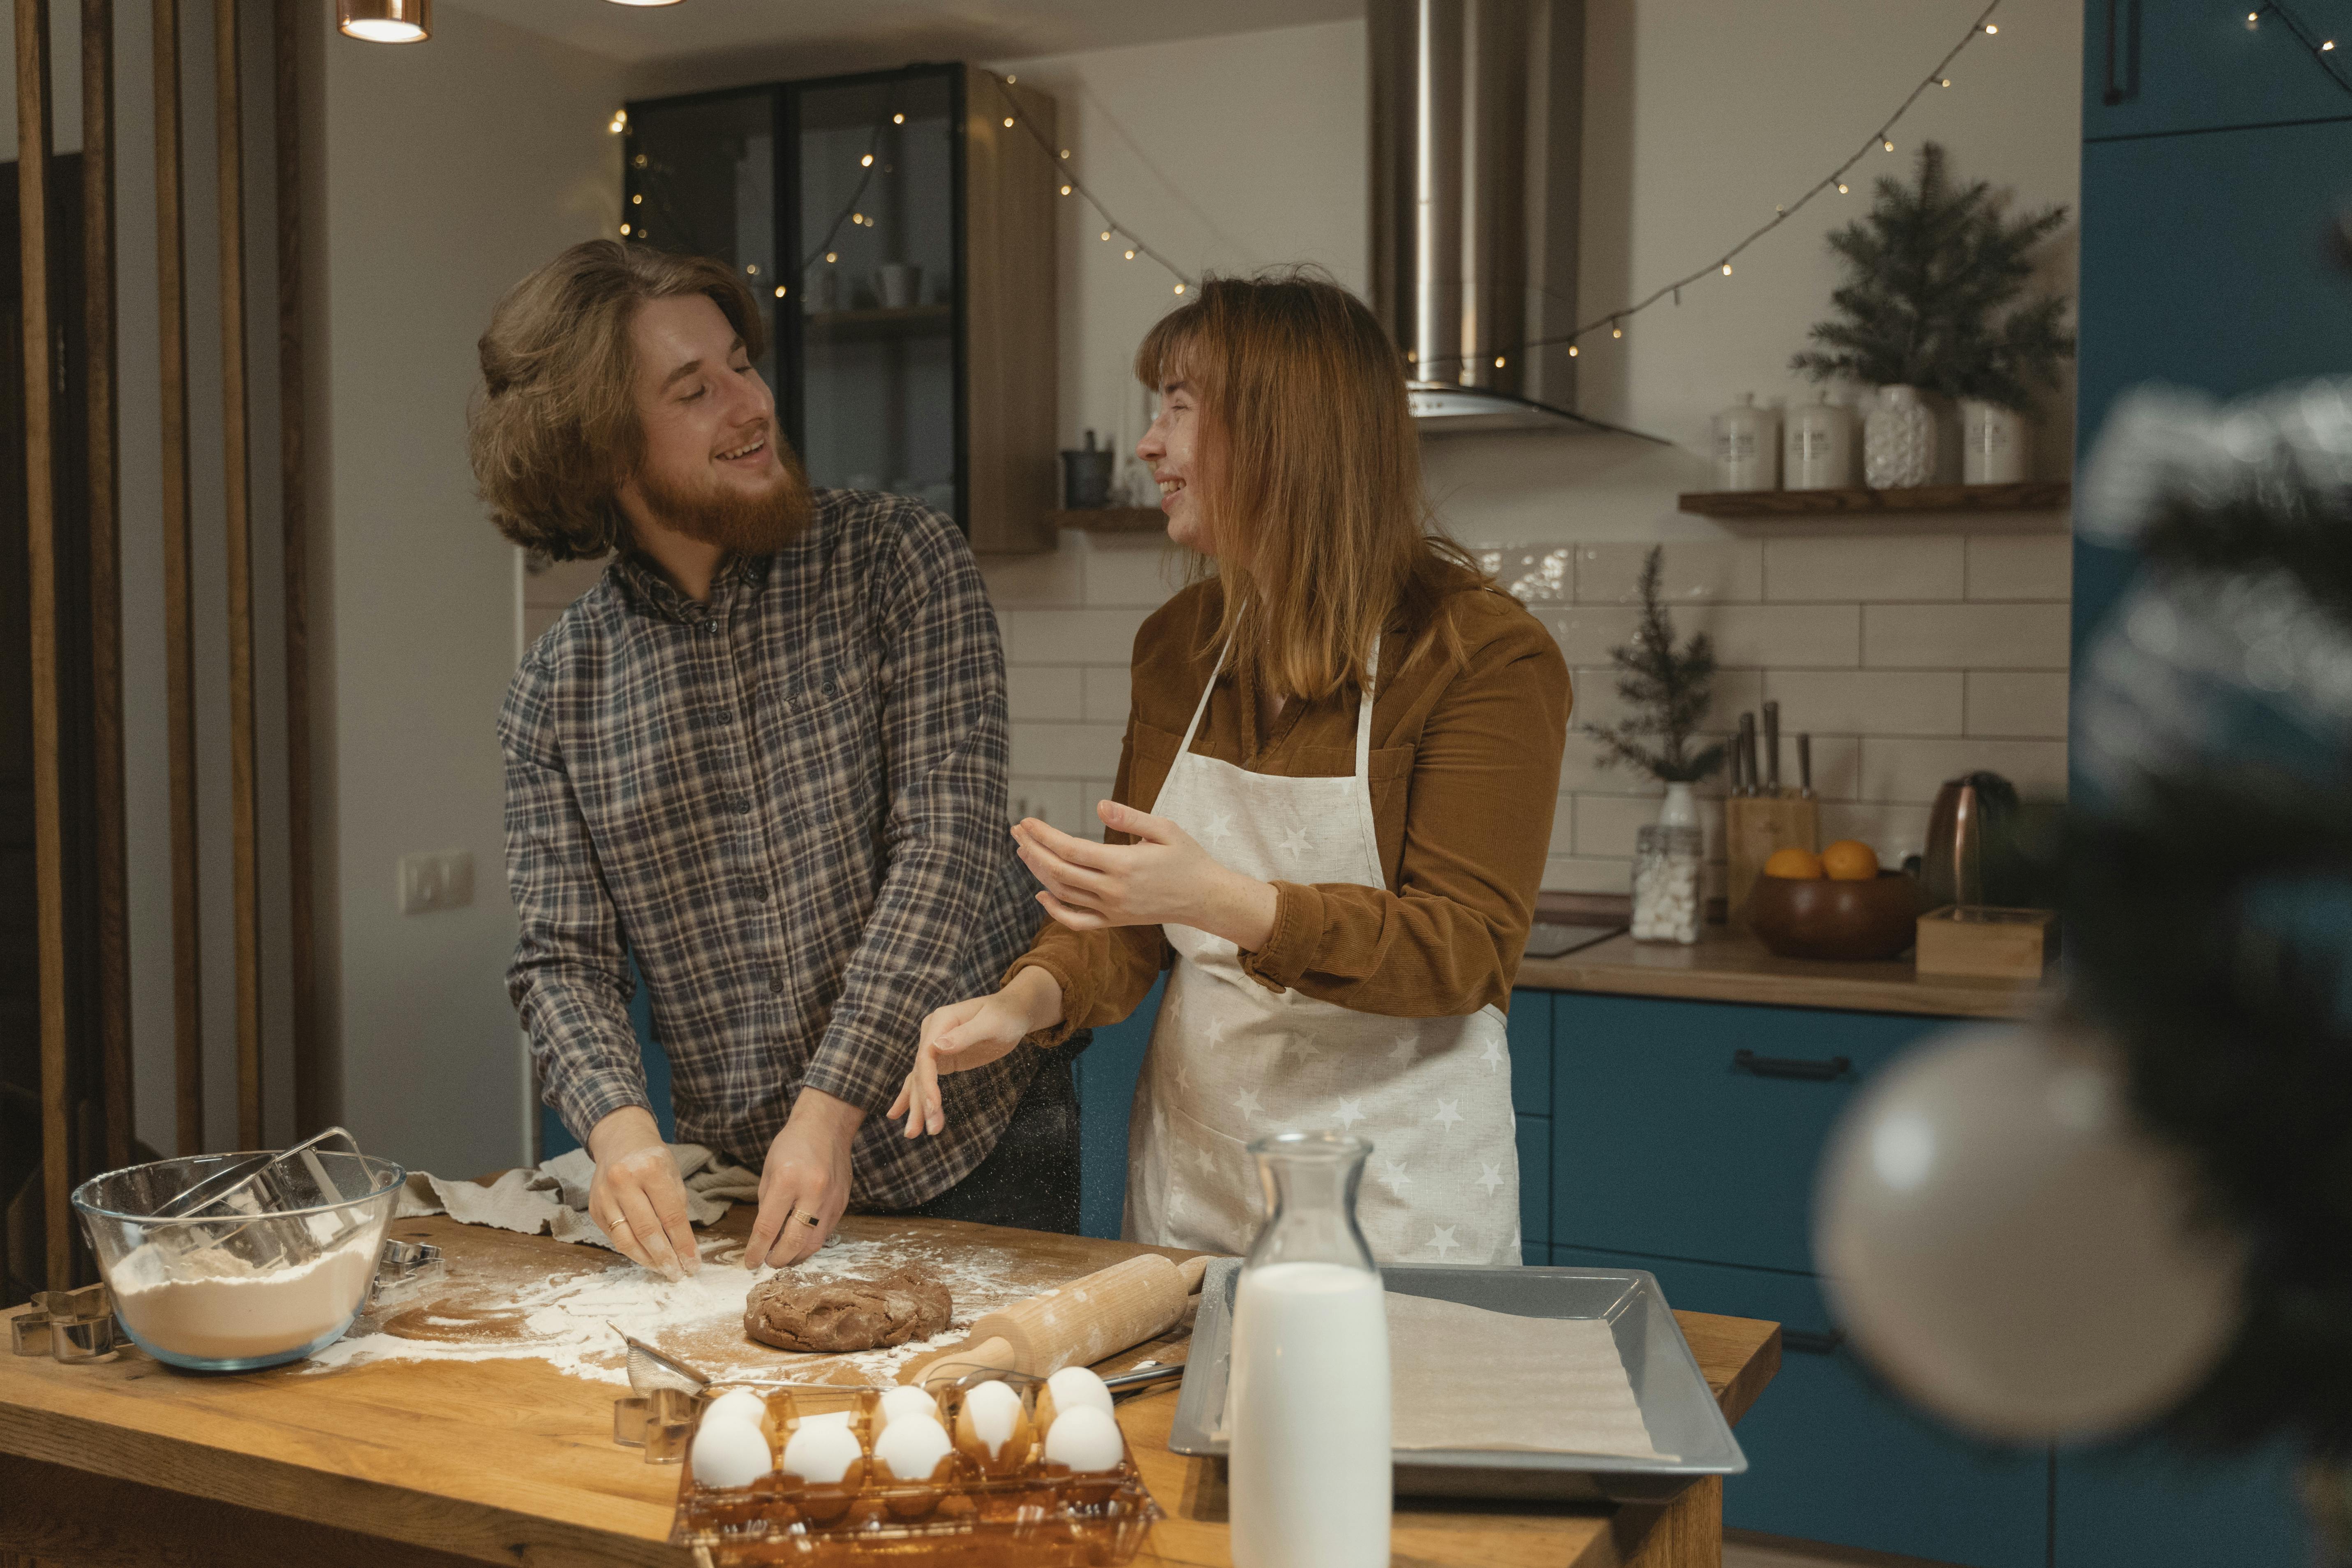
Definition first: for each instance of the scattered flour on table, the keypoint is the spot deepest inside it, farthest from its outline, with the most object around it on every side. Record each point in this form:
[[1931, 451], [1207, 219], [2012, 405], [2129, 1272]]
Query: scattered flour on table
[[569, 1321]]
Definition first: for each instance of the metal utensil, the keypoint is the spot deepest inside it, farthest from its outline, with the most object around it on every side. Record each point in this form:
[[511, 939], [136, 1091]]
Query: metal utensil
[[1747, 752], [1772, 749], [69, 1326], [651, 1369], [1805, 764], [1120, 1382]]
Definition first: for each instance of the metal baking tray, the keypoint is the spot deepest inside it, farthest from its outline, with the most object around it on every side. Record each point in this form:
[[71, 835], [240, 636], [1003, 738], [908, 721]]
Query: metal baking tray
[[1675, 1403]]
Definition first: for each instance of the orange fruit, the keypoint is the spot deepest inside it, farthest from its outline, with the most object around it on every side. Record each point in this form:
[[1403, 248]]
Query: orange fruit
[[1850, 860], [1794, 864]]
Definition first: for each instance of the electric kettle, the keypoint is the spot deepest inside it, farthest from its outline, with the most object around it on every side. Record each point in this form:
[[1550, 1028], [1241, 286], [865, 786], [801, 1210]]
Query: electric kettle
[[1971, 816]]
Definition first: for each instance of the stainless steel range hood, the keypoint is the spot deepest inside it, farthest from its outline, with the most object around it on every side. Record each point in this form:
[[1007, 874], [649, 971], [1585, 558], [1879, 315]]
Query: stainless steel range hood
[[1477, 140]]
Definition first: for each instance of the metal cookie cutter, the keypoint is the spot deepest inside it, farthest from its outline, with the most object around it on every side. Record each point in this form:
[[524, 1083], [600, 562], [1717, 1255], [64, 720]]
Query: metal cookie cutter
[[404, 1263], [659, 1417], [72, 1326]]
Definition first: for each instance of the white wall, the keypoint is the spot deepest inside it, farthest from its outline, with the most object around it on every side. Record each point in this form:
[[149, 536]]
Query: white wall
[[450, 169], [1913, 649]]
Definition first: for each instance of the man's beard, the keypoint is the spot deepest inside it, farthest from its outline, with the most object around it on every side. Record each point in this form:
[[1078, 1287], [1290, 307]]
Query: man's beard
[[739, 522]]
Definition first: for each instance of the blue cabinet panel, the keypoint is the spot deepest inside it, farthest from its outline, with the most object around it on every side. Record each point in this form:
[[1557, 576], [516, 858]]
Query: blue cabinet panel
[[2194, 65], [1674, 1151], [1832, 1456], [1529, 1039], [2203, 265], [2142, 1509], [1108, 1072], [1535, 1179], [555, 1139]]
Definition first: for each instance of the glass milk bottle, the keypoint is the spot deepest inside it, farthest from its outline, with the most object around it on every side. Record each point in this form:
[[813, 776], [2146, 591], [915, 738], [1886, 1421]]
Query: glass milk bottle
[[1309, 1473]]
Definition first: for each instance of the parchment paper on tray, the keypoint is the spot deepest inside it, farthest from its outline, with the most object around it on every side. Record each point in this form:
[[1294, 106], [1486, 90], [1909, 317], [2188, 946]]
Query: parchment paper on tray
[[1468, 1378]]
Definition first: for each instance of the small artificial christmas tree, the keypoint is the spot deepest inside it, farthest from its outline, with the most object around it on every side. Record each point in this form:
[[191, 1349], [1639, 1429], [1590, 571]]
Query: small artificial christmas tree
[[1668, 691], [1935, 277]]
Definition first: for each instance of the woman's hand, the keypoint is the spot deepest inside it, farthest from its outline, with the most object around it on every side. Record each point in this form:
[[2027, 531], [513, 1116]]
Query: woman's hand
[[973, 1034], [1164, 878], [637, 1198]]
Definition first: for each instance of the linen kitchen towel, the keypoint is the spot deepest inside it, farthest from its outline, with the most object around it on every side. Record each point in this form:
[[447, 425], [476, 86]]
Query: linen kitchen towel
[[554, 1199]]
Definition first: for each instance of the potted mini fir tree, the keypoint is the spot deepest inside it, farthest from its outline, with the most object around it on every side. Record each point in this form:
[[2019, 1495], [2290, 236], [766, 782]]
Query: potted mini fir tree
[[1935, 301]]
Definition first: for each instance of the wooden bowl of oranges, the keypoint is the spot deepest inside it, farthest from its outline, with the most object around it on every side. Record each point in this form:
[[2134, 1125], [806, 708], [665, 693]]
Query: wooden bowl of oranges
[[1836, 905]]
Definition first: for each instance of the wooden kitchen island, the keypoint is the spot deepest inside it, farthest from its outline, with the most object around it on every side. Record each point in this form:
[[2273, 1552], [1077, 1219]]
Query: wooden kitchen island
[[435, 1464]]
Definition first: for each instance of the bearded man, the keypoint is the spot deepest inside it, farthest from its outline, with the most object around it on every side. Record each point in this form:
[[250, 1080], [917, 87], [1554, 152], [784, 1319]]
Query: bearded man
[[763, 758]]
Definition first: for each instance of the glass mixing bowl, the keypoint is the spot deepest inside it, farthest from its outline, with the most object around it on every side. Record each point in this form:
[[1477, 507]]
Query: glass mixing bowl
[[279, 1276]]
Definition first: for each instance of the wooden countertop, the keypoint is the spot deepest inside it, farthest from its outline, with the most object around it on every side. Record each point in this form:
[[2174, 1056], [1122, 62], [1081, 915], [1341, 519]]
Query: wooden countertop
[[1728, 966], [443, 1463]]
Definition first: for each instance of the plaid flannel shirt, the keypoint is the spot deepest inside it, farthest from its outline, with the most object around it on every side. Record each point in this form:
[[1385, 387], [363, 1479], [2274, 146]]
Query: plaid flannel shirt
[[788, 806]]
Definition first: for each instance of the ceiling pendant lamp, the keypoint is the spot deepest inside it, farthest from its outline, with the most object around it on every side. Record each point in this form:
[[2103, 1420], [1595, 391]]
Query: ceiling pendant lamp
[[385, 21]]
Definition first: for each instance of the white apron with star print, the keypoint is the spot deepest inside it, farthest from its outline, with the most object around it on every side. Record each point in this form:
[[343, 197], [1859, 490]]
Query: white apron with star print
[[1231, 1061]]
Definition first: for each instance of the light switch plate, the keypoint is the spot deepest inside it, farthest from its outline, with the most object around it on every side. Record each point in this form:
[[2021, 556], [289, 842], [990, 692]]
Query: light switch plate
[[440, 880]]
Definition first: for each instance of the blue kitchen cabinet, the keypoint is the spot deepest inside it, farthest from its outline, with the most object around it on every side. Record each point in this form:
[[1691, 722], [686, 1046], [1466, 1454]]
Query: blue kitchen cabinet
[[1664, 1143], [2194, 66], [1832, 1456], [1108, 1072], [2143, 1507], [554, 1138]]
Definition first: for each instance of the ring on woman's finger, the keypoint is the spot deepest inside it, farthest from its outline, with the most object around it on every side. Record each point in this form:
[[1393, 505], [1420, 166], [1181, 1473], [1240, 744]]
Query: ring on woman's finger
[[618, 1225]]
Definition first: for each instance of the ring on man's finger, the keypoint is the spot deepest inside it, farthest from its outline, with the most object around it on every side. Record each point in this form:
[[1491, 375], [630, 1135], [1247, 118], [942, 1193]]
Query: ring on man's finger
[[812, 1221]]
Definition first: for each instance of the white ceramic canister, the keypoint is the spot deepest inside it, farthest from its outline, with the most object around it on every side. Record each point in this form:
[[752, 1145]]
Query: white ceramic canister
[[1898, 440], [1817, 446], [1747, 447], [1994, 450]]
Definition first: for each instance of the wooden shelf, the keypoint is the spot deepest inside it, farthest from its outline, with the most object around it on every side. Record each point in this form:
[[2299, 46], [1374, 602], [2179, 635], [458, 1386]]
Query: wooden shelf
[[1112, 520], [2039, 495], [868, 325]]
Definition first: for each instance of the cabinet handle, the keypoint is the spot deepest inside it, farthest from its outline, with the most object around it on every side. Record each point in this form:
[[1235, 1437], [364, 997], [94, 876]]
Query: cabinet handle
[[1791, 1066], [1809, 1341], [2115, 90]]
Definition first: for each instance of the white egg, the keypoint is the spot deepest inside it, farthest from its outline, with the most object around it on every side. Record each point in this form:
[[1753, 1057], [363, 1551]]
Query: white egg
[[912, 1446], [821, 1452], [1085, 1439], [993, 1428], [1077, 1387], [729, 1451], [906, 1400], [742, 1404]]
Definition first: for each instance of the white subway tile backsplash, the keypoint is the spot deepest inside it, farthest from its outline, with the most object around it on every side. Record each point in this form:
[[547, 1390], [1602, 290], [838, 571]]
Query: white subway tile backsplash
[[1573, 874], [1965, 636], [1587, 633], [1892, 830], [1782, 636], [1017, 581], [1563, 826], [1107, 693], [2017, 704], [1070, 637], [1912, 771], [2022, 566], [1869, 702], [1606, 824], [1729, 570], [1819, 570], [1599, 702], [1065, 750], [1057, 802], [1043, 691], [1133, 569]]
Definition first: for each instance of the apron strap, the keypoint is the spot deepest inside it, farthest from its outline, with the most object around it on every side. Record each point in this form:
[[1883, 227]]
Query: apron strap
[[1206, 691], [1366, 822]]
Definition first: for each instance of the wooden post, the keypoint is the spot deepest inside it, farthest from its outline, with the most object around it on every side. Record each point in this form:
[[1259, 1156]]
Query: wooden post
[[309, 1096], [111, 878], [41, 377], [179, 647], [228, 116]]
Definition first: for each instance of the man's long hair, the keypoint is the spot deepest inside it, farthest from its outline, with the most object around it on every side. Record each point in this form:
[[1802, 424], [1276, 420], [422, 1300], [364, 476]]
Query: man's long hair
[[1309, 478], [553, 429]]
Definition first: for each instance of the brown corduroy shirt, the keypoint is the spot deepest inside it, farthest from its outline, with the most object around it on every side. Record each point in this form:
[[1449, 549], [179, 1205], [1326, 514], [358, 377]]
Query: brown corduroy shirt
[[1464, 771]]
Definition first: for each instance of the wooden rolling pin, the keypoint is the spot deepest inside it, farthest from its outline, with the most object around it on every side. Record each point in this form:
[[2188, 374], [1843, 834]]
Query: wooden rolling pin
[[1075, 1324]]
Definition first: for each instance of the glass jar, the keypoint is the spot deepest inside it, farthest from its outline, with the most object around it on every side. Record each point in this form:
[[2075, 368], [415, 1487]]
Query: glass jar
[[1310, 1472], [1669, 864]]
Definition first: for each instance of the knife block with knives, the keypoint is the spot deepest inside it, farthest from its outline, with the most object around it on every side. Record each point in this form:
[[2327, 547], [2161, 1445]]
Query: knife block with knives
[[1761, 815]]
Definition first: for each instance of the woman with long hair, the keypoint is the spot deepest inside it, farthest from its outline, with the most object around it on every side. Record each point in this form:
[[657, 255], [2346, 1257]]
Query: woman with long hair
[[1332, 808]]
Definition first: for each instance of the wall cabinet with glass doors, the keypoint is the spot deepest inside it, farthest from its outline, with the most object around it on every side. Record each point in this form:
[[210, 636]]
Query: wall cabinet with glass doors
[[898, 232]]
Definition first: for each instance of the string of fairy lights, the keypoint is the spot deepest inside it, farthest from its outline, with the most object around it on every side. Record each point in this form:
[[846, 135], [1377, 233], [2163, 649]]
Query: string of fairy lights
[[2322, 49], [1134, 247]]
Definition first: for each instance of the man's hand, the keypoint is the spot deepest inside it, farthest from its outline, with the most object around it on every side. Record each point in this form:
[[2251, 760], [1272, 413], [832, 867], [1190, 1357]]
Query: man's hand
[[637, 1198], [973, 1034], [804, 1186], [1164, 878]]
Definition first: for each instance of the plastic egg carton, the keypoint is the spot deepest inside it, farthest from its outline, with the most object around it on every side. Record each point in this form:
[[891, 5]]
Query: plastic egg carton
[[1031, 1514]]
